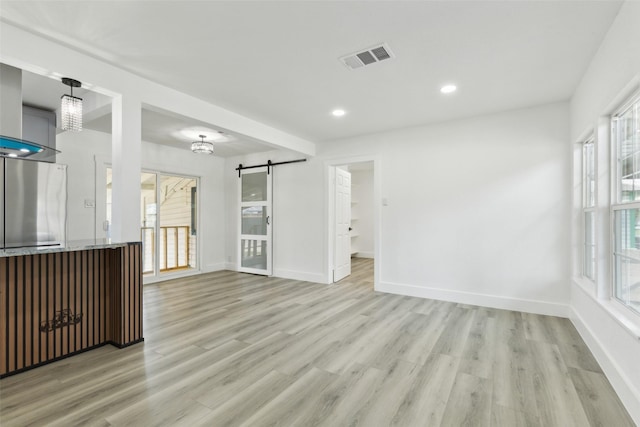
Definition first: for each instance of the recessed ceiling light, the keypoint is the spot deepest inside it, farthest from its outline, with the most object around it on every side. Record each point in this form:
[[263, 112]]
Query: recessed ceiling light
[[24, 150], [448, 88], [338, 113], [13, 155]]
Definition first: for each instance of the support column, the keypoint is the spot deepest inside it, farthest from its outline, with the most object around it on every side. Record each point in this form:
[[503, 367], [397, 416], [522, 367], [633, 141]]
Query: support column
[[126, 155]]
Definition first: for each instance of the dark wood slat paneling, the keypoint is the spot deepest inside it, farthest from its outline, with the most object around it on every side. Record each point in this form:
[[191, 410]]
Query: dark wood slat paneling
[[4, 316], [58, 304]]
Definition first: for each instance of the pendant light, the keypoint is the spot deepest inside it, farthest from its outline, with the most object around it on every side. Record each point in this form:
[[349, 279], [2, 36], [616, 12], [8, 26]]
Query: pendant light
[[204, 147], [71, 107]]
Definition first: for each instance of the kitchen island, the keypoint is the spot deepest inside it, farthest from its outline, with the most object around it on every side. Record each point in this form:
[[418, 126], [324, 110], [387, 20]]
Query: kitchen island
[[62, 300]]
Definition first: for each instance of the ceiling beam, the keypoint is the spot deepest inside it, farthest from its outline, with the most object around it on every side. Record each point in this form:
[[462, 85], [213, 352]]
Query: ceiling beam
[[23, 49]]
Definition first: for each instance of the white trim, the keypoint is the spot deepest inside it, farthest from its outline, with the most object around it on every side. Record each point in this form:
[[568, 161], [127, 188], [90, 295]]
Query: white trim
[[483, 300], [101, 163], [330, 176], [606, 190], [615, 305], [156, 228], [590, 139], [628, 394], [586, 135], [210, 268], [625, 206], [633, 98], [625, 317], [299, 275], [148, 280]]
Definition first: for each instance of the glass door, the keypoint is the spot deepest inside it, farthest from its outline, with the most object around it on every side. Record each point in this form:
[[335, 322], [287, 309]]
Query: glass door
[[177, 239], [168, 222], [255, 221]]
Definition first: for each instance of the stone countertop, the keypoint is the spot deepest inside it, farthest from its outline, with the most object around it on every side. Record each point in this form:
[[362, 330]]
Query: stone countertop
[[69, 246]]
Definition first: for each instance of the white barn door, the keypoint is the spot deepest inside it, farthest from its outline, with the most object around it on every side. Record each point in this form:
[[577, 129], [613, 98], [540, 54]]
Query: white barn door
[[255, 222]]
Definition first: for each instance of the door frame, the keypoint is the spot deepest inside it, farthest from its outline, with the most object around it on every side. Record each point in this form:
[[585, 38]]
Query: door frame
[[268, 271], [102, 163], [342, 271], [329, 231]]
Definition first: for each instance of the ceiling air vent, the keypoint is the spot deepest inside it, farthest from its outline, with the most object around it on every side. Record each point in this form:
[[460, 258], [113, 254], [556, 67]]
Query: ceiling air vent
[[367, 57]]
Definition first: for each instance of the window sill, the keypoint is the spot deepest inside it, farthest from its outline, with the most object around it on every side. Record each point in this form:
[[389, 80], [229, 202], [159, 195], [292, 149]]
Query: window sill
[[619, 314]]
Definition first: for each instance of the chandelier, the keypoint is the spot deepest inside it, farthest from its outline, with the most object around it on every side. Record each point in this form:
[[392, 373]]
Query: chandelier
[[202, 146], [71, 107]]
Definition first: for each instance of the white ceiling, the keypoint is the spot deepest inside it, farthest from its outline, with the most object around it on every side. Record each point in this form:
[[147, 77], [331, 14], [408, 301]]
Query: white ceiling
[[178, 131], [43, 92], [277, 62], [158, 127]]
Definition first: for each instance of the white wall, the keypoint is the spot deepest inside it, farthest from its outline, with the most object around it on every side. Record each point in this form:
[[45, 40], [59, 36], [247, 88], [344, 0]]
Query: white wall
[[478, 209], [297, 213], [78, 151], [615, 65], [613, 72], [362, 209]]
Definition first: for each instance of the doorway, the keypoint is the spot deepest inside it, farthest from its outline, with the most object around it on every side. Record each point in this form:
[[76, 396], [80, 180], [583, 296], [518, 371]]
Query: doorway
[[343, 221], [353, 225], [255, 221], [168, 222]]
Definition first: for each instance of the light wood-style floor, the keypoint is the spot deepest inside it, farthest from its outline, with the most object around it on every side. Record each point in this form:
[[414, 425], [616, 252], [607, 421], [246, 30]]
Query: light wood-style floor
[[226, 349]]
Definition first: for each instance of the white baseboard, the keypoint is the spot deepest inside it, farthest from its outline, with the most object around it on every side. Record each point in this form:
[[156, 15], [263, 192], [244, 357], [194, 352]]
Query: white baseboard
[[210, 268], [629, 395], [232, 266], [363, 255], [483, 300], [285, 274], [299, 275], [164, 278]]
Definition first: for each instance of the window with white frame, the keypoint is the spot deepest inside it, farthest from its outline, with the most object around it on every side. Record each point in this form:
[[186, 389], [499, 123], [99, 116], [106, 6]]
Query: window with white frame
[[625, 126], [588, 208]]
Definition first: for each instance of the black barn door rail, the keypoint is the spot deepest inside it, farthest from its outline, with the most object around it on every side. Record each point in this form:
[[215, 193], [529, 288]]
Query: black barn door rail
[[269, 164]]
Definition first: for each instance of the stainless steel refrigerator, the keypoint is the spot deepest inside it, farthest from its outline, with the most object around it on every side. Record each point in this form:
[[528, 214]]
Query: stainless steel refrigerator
[[34, 203]]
